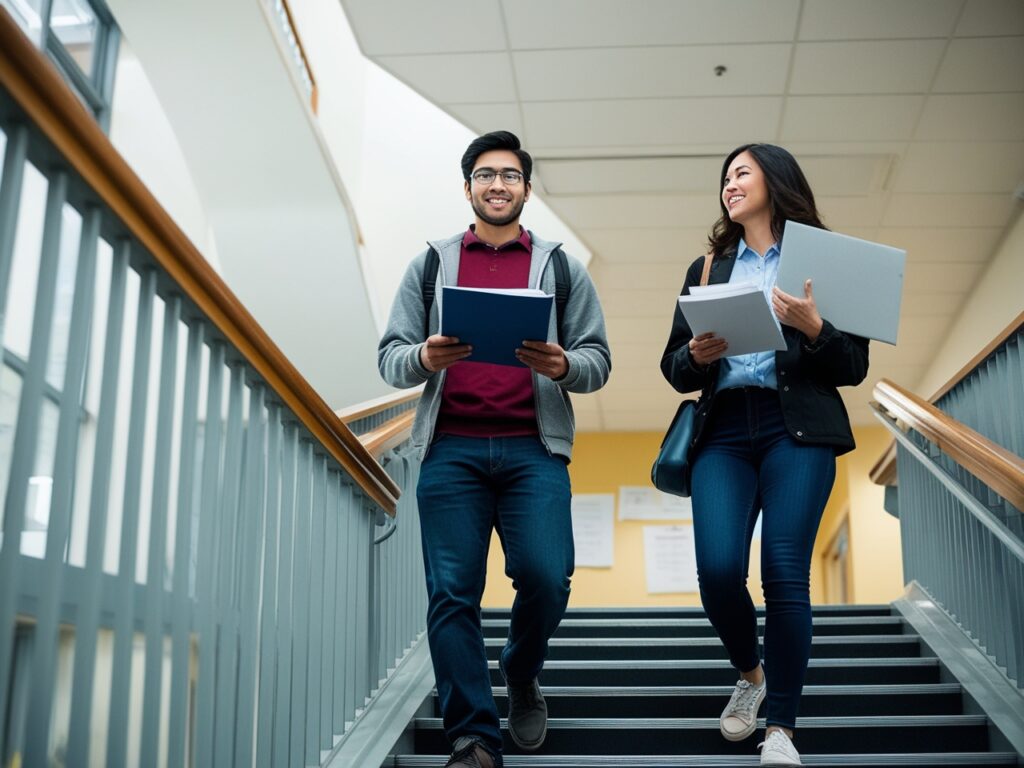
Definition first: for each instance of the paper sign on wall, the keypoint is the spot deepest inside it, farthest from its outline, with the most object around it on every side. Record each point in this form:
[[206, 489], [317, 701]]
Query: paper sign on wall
[[593, 524], [641, 502], [669, 558]]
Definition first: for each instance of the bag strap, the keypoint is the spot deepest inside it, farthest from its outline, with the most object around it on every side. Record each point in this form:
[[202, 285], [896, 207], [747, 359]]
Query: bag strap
[[561, 266], [429, 287], [707, 269]]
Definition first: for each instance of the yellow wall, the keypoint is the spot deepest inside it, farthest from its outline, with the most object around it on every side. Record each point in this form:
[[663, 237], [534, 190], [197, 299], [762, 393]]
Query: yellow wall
[[604, 461]]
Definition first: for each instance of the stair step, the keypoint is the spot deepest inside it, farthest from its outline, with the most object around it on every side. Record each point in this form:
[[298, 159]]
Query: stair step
[[708, 701], [828, 646], [919, 759], [693, 612], [681, 673], [668, 736], [699, 627]]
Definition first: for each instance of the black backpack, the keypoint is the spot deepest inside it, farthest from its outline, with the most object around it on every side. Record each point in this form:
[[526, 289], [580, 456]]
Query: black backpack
[[558, 261]]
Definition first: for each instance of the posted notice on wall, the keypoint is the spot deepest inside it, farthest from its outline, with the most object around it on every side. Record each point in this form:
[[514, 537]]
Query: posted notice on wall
[[642, 502], [670, 558], [593, 529]]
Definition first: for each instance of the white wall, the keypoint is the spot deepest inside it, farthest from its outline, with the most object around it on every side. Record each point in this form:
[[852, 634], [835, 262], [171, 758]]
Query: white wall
[[996, 300]]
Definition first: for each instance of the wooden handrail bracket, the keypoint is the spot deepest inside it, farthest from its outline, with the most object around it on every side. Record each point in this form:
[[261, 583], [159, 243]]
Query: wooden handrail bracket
[[995, 466]]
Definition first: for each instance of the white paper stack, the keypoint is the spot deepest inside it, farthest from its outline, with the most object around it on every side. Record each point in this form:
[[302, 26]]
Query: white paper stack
[[738, 312]]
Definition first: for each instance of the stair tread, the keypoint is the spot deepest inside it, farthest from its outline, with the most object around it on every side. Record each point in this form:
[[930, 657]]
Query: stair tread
[[718, 690], [696, 761], [899, 661], [703, 622], [686, 723], [909, 639]]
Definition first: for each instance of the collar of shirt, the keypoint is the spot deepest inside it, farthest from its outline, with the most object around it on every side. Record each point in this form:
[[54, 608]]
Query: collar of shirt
[[470, 240], [744, 251]]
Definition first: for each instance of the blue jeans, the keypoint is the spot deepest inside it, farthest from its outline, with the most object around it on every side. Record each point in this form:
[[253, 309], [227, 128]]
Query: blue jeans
[[467, 486], [747, 462]]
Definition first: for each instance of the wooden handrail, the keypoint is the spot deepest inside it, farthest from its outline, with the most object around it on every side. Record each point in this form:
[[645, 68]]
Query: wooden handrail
[[884, 471], [995, 466], [34, 83], [389, 434], [370, 407]]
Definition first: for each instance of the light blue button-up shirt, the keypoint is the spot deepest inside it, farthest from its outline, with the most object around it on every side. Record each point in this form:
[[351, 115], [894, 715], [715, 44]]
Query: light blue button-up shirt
[[756, 369]]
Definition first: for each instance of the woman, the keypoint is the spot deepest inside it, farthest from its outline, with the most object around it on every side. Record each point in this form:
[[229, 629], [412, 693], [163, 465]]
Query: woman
[[767, 430]]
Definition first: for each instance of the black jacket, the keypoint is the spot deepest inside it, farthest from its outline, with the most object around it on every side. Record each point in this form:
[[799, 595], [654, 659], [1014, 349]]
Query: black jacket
[[807, 374]]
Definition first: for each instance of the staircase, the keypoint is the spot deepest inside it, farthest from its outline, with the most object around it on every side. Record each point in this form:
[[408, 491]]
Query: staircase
[[644, 687]]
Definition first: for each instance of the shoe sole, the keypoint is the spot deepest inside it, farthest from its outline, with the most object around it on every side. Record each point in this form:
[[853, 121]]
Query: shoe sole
[[528, 746], [746, 733]]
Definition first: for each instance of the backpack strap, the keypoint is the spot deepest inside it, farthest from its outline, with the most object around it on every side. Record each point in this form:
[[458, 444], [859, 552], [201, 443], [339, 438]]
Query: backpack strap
[[562, 283], [429, 285], [706, 273]]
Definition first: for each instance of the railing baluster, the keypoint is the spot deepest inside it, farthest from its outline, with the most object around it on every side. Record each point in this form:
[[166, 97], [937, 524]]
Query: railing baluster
[[329, 633], [339, 641], [10, 204], [206, 565], [353, 679], [300, 598], [269, 608], [181, 603], [226, 589], [44, 663], [124, 622], [156, 564], [251, 527], [285, 601], [316, 610], [88, 621]]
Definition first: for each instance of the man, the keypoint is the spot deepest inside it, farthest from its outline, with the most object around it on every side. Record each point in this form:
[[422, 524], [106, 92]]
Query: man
[[496, 440]]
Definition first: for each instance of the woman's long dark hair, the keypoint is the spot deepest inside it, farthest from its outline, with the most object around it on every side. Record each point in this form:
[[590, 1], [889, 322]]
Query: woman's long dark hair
[[789, 196]]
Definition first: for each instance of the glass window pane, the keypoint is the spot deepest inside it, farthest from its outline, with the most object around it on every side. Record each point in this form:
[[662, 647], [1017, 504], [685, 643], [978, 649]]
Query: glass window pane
[[28, 245], [10, 394], [70, 243], [75, 24], [28, 14]]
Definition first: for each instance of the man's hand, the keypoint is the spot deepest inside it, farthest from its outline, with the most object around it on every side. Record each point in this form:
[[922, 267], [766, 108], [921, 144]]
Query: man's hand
[[707, 348], [440, 352], [546, 359], [801, 314]]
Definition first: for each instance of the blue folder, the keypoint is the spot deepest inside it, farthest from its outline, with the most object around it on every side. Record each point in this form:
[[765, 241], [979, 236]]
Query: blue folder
[[494, 324]]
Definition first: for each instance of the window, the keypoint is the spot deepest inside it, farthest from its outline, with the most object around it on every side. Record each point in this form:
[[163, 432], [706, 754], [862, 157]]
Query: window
[[286, 22], [81, 38]]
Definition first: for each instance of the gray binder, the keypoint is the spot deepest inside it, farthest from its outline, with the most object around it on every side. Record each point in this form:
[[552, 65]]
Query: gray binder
[[857, 284]]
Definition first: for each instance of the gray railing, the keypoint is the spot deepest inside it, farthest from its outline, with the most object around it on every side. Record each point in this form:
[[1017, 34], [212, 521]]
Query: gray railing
[[960, 523], [195, 563], [988, 398]]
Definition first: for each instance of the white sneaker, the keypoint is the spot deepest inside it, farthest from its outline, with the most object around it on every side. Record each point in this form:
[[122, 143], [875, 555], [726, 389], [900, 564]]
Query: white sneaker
[[777, 749], [739, 718]]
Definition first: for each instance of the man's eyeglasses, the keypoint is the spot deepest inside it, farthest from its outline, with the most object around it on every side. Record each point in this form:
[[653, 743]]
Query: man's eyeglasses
[[487, 175]]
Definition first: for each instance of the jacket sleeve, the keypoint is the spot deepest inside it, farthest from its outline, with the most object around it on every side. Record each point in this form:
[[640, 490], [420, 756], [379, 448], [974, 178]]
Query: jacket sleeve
[[677, 366], [836, 358], [584, 335], [398, 354]]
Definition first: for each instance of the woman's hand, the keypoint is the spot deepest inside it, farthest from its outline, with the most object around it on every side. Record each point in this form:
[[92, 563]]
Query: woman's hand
[[801, 314], [707, 348]]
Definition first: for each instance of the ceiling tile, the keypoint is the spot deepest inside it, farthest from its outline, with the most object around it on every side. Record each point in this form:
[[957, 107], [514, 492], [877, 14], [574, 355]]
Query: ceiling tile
[[482, 118], [982, 65], [534, 24], [966, 167], [976, 117], [628, 246], [850, 118], [949, 211], [877, 19], [847, 213], [468, 25], [596, 175], [991, 17], [932, 278], [650, 121], [848, 174], [611, 73], [637, 211], [867, 66], [943, 245], [455, 78]]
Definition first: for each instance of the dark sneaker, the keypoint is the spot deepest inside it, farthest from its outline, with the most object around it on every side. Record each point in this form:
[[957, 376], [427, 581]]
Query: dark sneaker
[[527, 715], [470, 753]]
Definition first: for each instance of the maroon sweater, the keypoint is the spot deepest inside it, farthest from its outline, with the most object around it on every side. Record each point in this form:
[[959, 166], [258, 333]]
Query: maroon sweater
[[482, 399]]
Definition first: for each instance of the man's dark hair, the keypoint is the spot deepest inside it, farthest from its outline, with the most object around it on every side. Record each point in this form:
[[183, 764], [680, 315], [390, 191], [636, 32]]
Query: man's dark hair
[[789, 196], [496, 140]]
